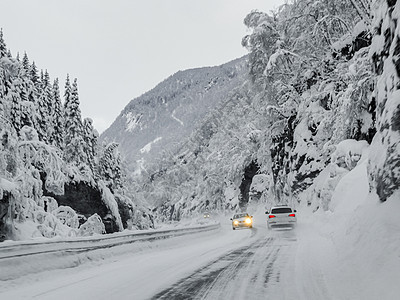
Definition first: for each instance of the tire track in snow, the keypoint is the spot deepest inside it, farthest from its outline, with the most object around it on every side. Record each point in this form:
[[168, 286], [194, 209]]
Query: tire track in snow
[[245, 272]]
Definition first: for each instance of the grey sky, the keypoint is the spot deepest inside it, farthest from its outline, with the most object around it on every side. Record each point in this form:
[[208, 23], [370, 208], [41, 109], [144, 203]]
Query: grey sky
[[119, 49]]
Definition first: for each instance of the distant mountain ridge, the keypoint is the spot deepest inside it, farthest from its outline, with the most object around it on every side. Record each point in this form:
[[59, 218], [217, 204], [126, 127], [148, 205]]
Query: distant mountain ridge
[[167, 114]]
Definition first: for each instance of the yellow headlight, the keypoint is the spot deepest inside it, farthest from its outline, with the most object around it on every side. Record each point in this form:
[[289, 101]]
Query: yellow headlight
[[236, 222], [248, 221]]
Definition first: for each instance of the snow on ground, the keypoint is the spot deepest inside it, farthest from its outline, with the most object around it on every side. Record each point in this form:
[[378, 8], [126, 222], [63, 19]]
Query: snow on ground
[[355, 245]]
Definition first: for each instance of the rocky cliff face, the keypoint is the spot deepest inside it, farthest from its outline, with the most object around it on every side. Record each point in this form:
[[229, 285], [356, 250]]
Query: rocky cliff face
[[163, 117], [86, 201], [385, 51], [5, 208]]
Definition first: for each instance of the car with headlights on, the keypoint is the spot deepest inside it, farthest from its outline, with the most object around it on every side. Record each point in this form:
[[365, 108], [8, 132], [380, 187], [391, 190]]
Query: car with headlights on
[[243, 220], [281, 216], [206, 215]]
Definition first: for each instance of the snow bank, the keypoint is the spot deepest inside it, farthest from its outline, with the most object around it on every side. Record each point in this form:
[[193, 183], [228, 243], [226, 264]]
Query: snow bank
[[93, 225], [359, 237], [351, 191], [347, 155]]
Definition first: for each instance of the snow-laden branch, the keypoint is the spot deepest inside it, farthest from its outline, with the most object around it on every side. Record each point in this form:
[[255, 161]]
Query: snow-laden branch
[[276, 109], [273, 59], [45, 158], [328, 20]]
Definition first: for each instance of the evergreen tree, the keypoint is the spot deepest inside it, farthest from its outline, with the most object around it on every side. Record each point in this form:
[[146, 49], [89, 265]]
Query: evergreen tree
[[28, 107], [57, 134], [14, 99], [74, 140], [33, 72], [110, 167], [3, 47], [45, 109], [25, 63], [90, 137], [67, 93], [34, 92], [48, 90]]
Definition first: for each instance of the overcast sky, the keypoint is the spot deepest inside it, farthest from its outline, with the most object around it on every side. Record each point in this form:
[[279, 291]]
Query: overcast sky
[[119, 49]]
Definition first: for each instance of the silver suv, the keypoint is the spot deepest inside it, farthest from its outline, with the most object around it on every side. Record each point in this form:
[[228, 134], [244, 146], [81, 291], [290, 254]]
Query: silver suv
[[281, 216]]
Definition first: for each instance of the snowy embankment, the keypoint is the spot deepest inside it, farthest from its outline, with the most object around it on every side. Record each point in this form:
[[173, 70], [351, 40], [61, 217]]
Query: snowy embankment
[[354, 246], [21, 258]]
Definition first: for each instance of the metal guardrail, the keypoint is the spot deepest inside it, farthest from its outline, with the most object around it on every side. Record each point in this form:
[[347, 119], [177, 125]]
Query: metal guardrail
[[17, 259], [93, 243]]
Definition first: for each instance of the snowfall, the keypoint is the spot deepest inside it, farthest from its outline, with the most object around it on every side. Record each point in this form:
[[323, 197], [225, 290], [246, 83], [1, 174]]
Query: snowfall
[[351, 251]]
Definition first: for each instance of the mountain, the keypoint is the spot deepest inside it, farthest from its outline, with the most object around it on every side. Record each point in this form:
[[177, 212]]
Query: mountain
[[160, 119]]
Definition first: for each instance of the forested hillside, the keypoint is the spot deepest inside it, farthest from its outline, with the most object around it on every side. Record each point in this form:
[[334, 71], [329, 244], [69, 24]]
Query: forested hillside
[[54, 177], [165, 116], [320, 98]]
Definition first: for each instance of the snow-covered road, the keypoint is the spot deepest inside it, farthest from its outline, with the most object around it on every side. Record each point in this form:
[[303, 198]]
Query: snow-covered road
[[224, 263], [221, 264], [252, 271]]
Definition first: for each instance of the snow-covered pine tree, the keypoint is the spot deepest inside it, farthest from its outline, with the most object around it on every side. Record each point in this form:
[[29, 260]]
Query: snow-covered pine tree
[[56, 137], [73, 139], [67, 92], [109, 167], [3, 47], [90, 136], [34, 91], [25, 63], [14, 98], [45, 109], [28, 107], [33, 72]]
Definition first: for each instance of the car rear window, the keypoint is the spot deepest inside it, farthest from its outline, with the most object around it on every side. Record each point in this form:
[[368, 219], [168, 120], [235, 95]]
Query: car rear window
[[240, 216], [281, 210]]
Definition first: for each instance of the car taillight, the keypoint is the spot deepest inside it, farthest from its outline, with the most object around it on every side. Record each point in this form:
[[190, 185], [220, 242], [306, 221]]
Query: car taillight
[[271, 216], [292, 215]]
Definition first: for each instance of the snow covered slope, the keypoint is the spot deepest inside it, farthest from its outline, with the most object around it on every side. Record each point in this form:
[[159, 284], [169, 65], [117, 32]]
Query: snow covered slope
[[161, 118]]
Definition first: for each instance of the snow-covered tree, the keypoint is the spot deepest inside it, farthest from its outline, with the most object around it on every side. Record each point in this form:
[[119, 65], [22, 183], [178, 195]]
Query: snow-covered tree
[[33, 72], [56, 137], [45, 108], [109, 166], [73, 138], [25, 63], [14, 98], [3, 47], [90, 136], [32, 163]]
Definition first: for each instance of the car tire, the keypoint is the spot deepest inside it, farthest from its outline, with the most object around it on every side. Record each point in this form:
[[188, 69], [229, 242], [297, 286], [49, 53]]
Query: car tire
[[233, 228]]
